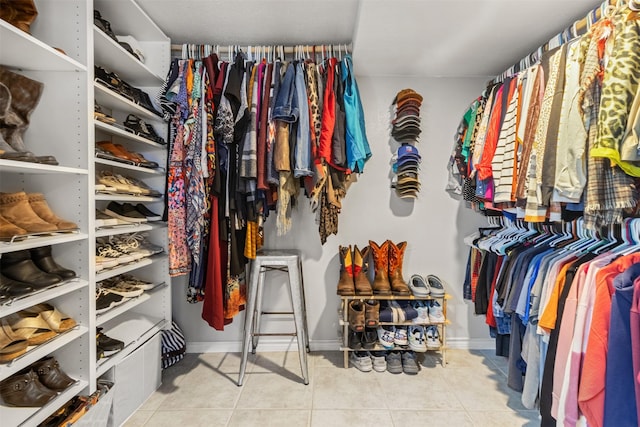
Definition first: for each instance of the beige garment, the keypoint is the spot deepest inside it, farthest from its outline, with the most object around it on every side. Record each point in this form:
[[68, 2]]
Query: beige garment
[[631, 140], [281, 156]]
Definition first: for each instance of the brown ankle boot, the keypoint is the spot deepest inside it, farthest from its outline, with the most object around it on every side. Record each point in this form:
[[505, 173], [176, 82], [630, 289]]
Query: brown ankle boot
[[356, 315], [363, 287], [25, 96], [372, 313], [396, 255], [19, 13], [8, 230], [345, 283], [41, 208], [16, 209], [381, 284]]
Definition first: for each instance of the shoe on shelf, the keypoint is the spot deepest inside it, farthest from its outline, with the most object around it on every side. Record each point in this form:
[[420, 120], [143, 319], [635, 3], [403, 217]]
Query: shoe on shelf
[[121, 287], [126, 212], [16, 209], [50, 374], [116, 182], [127, 247], [142, 284], [98, 114], [371, 313], [369, 338], [103, 25], [43, 259], [361, 360], [400, 336], [10, 288], [436, 315], [354, 340], [8, 230], [416, 339], [433, 338], [12, 344], [25, 390], [356, 315], [136, 125], [385, 337], [150, 215], [118, 151], [419, 286], [405, 310], [105, 262], [422, 308], [409, 363], [107, 345], [394, 362], [57, 321], [378, 360], [107, 300], [138, 242], [104, 220], [436, 285], [105, 249], [19, 266], [39, 205], [30, 326], [101, 153]]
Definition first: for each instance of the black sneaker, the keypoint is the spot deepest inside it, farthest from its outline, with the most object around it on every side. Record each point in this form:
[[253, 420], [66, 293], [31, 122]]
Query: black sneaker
[[136, 125], [106, 300], [107, 345], [150, 215], [125, 212]]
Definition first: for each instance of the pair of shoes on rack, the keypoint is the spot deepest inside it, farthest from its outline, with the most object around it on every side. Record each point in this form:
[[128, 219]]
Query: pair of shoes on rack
[[137, 126], [35, 386], [100, 115], [22, 213], [120, 153], [363, 314], [130, 213], [124, 248], [429, 311], [397, 311], [113, 82], [425, 286], [387, 260], [353, 271], [25, 271], [366, 339], [108, 182], [402, 361]]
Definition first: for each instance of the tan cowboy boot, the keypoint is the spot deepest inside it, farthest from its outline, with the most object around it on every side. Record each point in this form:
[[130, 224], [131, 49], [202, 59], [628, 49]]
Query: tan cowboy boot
[[363, 287], [345, 283], [381, 284], [396, 255]]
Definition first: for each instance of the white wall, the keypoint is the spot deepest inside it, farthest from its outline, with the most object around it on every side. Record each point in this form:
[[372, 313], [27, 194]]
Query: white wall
[[433, 225]]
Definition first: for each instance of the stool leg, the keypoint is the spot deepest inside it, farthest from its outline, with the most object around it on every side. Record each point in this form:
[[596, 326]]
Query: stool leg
[[295, 285], [249, 318], [258, 312], [304, 306]]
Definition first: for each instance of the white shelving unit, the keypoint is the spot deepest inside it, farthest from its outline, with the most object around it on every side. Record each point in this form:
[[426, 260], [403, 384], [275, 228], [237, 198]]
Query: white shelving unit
[[63, 125]]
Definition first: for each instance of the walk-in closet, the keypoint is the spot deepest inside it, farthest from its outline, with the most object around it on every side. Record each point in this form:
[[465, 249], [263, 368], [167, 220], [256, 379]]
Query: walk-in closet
[[319, 213]]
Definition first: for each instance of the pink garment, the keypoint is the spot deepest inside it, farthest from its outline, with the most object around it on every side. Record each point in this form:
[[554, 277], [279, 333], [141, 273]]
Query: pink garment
[[592, 380], [635, 339]]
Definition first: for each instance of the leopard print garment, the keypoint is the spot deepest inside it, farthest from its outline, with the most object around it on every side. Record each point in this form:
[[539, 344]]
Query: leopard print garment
[[620, 83], [314, 106]]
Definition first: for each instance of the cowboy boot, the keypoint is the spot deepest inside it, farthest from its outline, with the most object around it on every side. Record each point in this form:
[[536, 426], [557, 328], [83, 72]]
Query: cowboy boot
[[345, 283], [19, 13], [40, 206], [363, 287], [15, 208], [25, 96], [396, 255], [381, 284]]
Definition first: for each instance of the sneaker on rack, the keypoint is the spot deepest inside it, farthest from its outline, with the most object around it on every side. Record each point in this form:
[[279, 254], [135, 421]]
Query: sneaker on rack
[[142, 284], [150, 215], [385, 337], [120, 287], [394, 362], [106, 345], [436, 315], [128, 246], [106, 250], [409, 363], [107, 300], [104, 220], [125, 212], [400, 336], [105, 262], [378, 360], [433, 338], [422, 309], [417, 339], [361, 360], [145, 244]]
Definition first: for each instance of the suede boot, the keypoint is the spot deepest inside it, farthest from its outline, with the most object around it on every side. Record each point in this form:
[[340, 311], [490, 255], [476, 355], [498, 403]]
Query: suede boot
[[356, 315], [25, 96], [18, 266], [396, 256], [363, 287], [345, 283], [381, 285], [42, 258], [19, 13], [8, 230], [41, 208], [15, 208]]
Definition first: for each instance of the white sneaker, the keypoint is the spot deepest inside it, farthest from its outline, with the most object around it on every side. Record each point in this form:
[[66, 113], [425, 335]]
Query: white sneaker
[[416, 339], [423, 313], [385, 337], [361, 360], [103, 262], [436, 314], [378, 360], [400, 337], [433, 338]]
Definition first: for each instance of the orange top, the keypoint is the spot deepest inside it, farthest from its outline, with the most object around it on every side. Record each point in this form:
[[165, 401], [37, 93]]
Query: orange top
[[549, 316]]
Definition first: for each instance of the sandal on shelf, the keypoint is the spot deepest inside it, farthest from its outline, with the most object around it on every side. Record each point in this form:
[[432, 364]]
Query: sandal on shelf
[[98, 114], [11, 344], [31, 326], [57, 321], [136, 125]]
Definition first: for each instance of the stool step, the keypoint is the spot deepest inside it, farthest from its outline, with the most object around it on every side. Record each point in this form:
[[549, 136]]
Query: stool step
[[276, 312], [275, 334]]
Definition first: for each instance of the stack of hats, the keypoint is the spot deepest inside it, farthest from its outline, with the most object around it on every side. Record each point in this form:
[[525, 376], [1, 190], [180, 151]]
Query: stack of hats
[[406, 130]]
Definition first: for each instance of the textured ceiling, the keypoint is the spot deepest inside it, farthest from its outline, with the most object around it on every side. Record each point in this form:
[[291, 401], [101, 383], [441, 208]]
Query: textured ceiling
[[453, 38]]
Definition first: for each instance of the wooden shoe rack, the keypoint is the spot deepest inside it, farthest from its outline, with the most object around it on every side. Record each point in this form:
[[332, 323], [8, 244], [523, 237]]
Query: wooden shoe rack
[[343, 313]]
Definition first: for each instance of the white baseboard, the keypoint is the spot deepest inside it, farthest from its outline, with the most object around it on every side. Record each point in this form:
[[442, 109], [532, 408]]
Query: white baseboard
[[319, 345]]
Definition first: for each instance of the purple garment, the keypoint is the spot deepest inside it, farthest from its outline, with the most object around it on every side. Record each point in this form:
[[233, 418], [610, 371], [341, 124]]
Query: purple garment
[[620, 409], [635, 340]]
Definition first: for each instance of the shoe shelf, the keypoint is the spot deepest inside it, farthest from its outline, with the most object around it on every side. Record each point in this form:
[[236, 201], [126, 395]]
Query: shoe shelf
[[126, 198], [54, 291], [406, 323], [121, 165], [394, 297], [116, 311], [36, 240], [131, 328], [110, 99], [23, 51], [15, 166], [34, 416], [116, 131], [121, 269], [115, 58], [134, 228], [35, 353]]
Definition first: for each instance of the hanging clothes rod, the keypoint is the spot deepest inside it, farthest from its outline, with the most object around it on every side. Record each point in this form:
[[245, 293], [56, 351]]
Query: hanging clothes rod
[[573, 31], [261, 48]]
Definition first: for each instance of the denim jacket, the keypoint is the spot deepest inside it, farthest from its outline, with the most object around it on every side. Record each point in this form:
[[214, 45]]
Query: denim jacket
[[286, 108]]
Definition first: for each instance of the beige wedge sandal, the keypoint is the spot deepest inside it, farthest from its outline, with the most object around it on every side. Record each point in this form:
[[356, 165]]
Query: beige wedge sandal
[[57, 321], [31, 327], [11, 344]]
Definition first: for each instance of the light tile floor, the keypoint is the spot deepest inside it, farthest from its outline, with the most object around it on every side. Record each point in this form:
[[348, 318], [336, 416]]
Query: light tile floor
[[201, 390]]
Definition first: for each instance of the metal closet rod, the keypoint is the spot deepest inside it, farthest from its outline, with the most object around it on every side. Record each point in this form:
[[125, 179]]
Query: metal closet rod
[[220, 48]]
